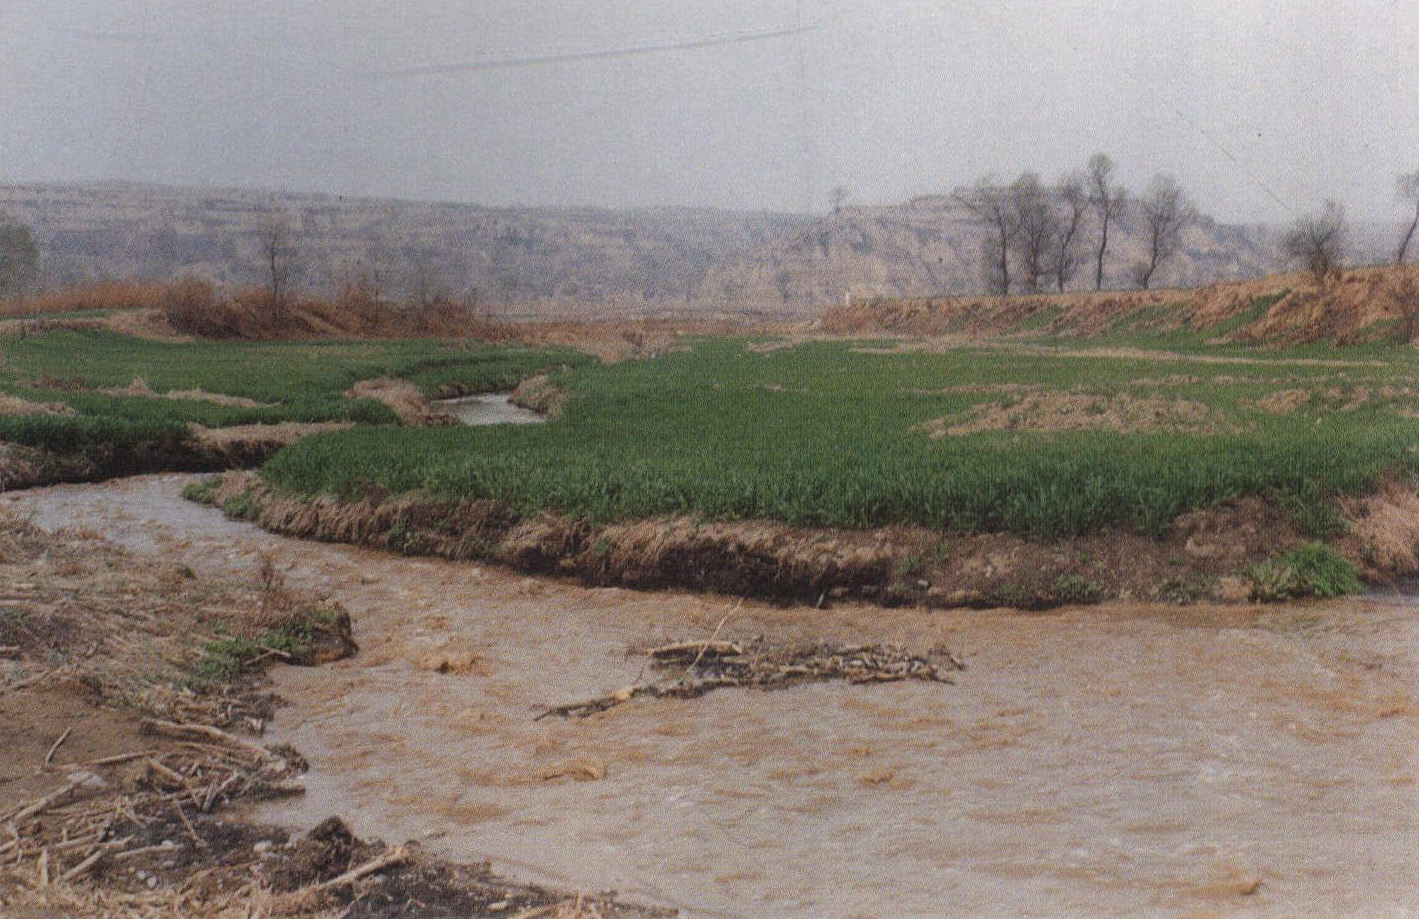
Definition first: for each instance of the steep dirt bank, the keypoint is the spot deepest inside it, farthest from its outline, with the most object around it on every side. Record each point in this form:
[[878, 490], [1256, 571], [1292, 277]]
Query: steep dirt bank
[[1280, 309], [1214, 554], [204, 450]]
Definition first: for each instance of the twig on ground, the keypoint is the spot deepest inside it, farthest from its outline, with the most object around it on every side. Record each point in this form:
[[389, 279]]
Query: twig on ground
[[50, 755]]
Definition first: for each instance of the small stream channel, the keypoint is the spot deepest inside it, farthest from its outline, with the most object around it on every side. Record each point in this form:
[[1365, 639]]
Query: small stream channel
[[1105, 762], [489, 408]]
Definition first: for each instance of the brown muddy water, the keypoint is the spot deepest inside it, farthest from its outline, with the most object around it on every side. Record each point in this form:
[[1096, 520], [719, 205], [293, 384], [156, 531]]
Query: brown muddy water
[[1109, 761]]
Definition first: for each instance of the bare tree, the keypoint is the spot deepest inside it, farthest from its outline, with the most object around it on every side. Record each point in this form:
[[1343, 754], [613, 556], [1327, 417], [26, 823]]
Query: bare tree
[[1075, 201], [1035, 217], [1317, 242], [992, 207], [840, 194], [1406, 297], [1167, 212], [1108, 200], [1409, 191], [277, 257]]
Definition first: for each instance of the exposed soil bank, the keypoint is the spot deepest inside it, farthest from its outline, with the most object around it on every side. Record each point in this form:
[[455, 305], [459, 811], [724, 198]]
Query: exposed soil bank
[[204, 450], [1116, 761], [1210, 554]]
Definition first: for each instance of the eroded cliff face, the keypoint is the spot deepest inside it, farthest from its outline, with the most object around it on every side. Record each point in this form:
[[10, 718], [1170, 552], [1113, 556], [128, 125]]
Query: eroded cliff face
[[930, 247]]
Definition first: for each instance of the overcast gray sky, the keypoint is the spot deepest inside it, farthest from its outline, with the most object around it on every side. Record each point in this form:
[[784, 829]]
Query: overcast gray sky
[[1241, 99]]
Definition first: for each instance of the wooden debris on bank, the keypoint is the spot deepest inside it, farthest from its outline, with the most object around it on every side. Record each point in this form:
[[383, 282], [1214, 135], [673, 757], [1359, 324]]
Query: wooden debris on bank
[[699, 667]]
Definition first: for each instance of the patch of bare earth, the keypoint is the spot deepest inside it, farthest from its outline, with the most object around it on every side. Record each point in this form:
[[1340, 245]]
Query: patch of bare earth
[[1056, 411]]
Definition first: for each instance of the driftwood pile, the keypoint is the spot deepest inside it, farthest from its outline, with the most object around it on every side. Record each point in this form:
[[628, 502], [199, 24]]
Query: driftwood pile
[[88, 824], [692, 668]]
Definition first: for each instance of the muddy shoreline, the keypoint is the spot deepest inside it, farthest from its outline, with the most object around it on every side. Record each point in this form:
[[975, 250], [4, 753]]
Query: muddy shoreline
[[99, 662]]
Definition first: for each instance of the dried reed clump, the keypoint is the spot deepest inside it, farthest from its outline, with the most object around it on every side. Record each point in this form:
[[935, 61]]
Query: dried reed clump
[[1384, 531], [539, 394], [193, 308], [404, 398], [99, 295]]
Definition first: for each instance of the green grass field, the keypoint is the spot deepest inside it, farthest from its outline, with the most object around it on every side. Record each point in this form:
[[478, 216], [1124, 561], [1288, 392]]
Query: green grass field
[[1045, 437], [830, 434], [304, 381]]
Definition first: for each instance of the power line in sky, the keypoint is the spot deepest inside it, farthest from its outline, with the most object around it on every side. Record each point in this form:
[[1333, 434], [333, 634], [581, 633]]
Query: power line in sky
[[560, 57]]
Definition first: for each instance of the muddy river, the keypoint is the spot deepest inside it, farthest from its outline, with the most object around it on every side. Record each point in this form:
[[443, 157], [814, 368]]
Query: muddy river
[[1109, 761]]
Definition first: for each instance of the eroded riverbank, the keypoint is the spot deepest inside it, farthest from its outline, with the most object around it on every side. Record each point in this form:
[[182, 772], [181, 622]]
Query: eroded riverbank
[[1250, 761]]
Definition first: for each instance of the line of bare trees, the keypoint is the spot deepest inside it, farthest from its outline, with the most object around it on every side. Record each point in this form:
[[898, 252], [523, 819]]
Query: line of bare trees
[[1035, 234]]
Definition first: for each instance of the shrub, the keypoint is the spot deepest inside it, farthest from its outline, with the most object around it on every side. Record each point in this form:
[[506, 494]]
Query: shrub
[[1312, 569], [1075, 588]]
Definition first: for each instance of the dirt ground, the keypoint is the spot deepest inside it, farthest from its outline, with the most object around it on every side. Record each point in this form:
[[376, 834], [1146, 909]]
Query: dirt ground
[[1118, 760]]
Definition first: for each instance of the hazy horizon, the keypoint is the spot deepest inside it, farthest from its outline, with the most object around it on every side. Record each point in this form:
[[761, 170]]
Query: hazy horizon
[[1260, 111]]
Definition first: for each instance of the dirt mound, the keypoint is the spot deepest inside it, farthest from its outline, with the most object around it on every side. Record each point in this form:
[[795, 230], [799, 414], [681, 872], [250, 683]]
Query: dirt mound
[[1056, 411], [14, 405], [539, 394], [406, 399]]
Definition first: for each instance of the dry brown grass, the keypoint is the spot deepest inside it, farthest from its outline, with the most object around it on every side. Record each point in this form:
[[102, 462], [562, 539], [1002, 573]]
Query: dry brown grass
[[404, 398], [193, 308], [14, 405], [1348, 310], [539, 394], [100, 295], [1384, 531], [1079, 412]]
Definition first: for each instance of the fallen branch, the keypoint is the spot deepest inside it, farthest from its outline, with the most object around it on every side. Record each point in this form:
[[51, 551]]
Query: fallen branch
[[397, 855], [706, 648], [50, 755], [105, 761], [27, 811], [717, 664], [193, 731]]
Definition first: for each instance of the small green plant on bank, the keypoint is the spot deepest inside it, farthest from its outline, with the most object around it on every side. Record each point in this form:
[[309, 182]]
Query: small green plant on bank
[[224, 659], [1310, 570]]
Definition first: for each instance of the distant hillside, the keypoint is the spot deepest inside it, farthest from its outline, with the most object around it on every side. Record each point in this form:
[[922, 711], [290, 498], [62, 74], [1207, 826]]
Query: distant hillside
[[516, 259], [929, 246], [578, 261]]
